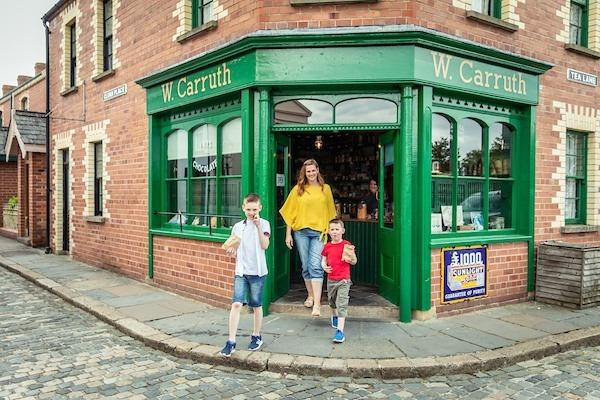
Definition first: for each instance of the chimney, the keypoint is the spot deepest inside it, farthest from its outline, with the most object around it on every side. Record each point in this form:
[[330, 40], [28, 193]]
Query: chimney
[[21, 79], [6, 89], [39, 68]]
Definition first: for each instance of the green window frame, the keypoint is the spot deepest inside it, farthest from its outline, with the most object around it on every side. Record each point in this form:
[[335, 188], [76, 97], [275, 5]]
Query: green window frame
[[201, 174], [493, 8], [576, 178], [202, 12], [473, 186], [578, 22]]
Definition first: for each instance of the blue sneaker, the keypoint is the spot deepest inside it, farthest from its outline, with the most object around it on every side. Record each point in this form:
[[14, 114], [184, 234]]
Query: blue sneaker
[[228, 350], [255, 343], [334, 320], [339, 337]]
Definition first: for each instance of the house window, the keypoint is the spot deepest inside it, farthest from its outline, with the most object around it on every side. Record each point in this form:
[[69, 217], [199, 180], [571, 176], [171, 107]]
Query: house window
[[107, 29], [575, 199], [25, 103], [72, 55], [493, 8], [98, 172], [578, 22], [472, 180], [202, 12], [204, 174]]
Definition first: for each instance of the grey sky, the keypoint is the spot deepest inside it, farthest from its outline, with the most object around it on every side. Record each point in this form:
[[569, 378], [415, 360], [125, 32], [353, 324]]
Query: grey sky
[[21, 37]]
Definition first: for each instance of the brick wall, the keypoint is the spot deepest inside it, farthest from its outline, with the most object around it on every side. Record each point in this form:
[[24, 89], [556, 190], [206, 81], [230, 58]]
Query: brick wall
[[35, 91], [37, 196], [196, 269], [8, 182], [507, 278]]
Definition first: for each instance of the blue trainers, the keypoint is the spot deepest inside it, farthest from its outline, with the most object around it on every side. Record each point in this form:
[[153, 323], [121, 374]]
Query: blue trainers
[[339, 337], [255, 343], [228, 350], [334, 320]]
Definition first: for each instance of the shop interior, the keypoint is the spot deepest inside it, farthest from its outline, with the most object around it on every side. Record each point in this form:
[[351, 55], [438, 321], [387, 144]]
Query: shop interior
[[348, 161]]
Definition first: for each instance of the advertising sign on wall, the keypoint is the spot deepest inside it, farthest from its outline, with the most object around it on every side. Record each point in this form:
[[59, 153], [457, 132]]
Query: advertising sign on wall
[[464, 273]]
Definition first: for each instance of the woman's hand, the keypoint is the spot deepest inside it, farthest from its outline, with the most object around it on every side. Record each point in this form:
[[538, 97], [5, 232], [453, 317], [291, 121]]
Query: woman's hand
[[289, 242]]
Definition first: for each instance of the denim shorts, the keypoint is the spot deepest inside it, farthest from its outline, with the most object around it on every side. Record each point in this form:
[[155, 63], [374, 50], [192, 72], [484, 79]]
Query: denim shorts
[[310, 245], [248, 289]]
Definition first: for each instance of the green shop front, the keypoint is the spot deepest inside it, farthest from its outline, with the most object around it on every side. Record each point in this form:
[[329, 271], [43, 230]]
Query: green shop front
[[445, 128]]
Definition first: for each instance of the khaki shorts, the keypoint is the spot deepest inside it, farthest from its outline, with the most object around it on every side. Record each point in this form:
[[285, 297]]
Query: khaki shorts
[[338, 293]]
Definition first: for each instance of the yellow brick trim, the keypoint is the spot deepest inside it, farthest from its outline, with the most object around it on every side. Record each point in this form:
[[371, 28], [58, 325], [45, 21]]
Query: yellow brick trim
[[116, 28], [62, 141], [94, 133], [563, 13], [184, 13], [509, 12], [584, 119], [70, 14], [594, 25]]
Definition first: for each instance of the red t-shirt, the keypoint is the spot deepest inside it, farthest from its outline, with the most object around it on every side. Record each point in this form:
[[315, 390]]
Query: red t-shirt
[[339, 269]]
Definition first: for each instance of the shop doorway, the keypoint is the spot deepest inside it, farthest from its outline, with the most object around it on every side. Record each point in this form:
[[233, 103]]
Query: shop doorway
[[353, 163]]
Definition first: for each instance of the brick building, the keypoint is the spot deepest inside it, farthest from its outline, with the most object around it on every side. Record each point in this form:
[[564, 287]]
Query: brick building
[[478, 118], [23, 114], [8, 188]]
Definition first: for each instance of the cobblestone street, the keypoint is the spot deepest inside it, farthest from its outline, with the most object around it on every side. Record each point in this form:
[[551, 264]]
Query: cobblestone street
[[51, 350]]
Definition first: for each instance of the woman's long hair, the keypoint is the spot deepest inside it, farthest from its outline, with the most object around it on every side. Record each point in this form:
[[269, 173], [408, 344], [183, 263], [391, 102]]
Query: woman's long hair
[[303, 181]]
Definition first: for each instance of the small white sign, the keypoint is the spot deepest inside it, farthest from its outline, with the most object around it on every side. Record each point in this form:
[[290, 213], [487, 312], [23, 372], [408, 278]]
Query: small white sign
[[582, 77], [115, 92], [280, 180]]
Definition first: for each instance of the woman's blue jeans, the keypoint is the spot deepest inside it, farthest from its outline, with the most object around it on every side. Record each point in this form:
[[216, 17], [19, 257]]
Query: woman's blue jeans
[[309, 245]]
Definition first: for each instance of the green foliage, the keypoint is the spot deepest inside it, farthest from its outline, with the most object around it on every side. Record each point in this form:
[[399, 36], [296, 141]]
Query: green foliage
[[13, 202]]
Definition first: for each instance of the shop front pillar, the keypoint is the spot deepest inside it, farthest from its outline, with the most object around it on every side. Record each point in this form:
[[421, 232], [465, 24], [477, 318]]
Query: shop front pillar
[[405, 201]]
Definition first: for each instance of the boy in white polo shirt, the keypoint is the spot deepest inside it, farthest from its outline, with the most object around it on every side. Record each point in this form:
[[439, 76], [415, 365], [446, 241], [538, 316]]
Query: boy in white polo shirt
[[250, 271]]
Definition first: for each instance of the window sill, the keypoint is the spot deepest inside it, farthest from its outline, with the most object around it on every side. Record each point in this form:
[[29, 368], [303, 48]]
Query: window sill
[[209, 26], [439, 242], [103, 75], [579, 228], [309, 2], [70, 90], [582, 50], [187, 234], [492, 21], [96, 219]]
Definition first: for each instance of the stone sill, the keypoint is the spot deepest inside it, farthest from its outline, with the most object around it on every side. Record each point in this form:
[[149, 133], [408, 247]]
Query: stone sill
[[103, 75], [70, 90], [309, 2], [579, 228], [209, 26], [486, 19], [582, 50], [96, 219]]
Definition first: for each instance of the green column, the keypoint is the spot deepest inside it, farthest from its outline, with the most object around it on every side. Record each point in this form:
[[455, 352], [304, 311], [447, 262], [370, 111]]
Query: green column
[[153, 175], [247, 141], [531, 203], [404, 190]]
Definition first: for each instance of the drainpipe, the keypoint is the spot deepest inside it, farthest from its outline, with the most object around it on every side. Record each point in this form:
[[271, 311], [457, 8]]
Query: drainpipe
[[47, 30]]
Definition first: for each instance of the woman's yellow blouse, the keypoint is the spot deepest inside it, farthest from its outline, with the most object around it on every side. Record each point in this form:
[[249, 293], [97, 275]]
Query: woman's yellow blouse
[[314, 209]]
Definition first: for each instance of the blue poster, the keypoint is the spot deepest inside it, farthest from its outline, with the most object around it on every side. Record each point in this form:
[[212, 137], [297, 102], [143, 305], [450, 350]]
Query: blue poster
[[464, 273]]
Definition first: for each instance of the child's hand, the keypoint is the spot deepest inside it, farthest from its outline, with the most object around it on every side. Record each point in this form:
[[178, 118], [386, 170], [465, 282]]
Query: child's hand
[[256, 221], [231, 252], [327, 268]]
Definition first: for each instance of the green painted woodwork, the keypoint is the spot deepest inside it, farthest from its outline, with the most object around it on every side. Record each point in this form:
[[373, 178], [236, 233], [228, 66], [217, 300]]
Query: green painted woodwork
[[580, 177], [280, 270], [363, 235], [404, 203], [529, 181]]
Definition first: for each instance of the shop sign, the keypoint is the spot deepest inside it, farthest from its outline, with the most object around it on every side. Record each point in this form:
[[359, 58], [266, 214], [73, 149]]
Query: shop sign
[[115, 92], [205, 168], [464, 273], [463, 73], [582, 77], [280, 180]]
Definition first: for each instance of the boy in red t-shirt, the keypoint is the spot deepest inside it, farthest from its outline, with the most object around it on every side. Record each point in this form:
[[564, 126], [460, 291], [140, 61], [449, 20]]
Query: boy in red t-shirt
[[336, 262]]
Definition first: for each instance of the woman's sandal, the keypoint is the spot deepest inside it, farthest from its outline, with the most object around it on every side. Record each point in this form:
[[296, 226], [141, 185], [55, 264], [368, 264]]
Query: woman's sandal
[[316, 311], [308, 303]]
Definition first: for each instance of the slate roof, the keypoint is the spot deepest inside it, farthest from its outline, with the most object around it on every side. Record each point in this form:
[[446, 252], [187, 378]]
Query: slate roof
[[3, 135], [31, 126]]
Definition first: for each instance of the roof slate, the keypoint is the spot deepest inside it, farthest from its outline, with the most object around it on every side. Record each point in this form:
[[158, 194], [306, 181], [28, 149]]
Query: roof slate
[[31, 126], [3, 136]]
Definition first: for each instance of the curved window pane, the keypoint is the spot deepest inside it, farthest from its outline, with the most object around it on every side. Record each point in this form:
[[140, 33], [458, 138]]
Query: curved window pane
[[303, 112], [355, 111], [501, 141], [470, 162], [232, 148], [204, 141], [177, 149], [441, 145]]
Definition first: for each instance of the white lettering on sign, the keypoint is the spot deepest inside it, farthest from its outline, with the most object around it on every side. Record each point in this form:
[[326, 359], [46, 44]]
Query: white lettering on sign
[[115, 92], [205, 168], [581, 77]]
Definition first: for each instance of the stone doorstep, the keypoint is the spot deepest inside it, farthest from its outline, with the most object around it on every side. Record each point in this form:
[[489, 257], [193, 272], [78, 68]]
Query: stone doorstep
[[307, 365]]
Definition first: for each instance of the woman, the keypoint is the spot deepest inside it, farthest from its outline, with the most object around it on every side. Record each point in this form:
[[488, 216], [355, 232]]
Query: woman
[[307, 211]]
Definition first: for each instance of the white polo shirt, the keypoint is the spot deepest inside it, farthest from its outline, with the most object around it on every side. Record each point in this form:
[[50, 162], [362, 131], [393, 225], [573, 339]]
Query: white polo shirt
[[251, 258]]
